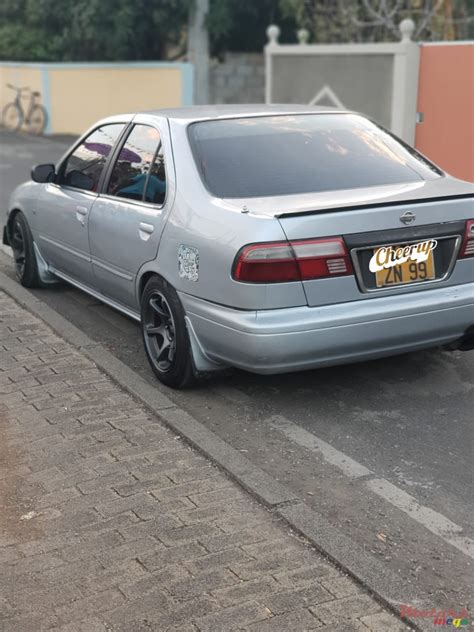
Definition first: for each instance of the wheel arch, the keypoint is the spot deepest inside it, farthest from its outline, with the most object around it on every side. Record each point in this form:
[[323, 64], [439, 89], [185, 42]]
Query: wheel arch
[[45, 276], [143, 280], [202, 363], [147, 271]]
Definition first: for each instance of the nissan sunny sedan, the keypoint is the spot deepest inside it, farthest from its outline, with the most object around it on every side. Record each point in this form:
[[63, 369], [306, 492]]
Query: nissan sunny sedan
[[268, 238]]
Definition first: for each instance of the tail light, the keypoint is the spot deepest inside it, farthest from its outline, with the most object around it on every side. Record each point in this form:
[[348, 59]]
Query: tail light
[[301, 260], [467, 248]]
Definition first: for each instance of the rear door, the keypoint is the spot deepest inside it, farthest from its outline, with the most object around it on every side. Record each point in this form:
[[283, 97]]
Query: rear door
[[127, 218], [62, 215]]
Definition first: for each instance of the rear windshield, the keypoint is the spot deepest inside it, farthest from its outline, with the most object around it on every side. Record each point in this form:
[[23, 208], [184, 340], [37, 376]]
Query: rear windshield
[[283, 155]]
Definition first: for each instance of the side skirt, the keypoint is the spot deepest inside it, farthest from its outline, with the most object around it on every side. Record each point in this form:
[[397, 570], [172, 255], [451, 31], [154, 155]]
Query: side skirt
[[100, 297]]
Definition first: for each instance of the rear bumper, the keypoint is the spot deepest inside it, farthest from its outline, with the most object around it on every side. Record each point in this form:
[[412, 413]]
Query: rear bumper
[[294, 339]]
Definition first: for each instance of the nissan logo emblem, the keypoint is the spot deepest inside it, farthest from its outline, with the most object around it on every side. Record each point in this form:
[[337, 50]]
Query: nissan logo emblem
[[408, 217]]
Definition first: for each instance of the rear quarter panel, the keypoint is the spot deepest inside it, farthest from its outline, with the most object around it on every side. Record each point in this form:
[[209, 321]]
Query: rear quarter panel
[[216, 231]]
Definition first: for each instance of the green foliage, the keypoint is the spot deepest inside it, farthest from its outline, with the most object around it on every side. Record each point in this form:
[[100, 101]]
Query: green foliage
[[324, 19], [240, 25], [465, 24], [114, 30], [109, 30], [19, 39], [377, 20], [90, 30]]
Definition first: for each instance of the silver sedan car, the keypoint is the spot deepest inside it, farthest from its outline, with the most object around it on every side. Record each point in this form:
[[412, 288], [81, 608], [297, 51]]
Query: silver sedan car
[[269, 238]]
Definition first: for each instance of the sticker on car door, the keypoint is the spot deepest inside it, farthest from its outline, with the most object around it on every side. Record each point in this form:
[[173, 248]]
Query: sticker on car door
[[188, 263]]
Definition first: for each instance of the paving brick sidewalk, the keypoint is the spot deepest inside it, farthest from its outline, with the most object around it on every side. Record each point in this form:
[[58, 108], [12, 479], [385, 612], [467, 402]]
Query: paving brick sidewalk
[[108, 521]]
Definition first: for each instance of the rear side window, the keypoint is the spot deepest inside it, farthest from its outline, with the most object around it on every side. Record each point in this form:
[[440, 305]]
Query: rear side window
[[139, 171], [283, 155], [83, 168]]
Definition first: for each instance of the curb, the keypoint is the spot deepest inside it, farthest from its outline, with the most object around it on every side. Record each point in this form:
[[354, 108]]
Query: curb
[[348, 556]]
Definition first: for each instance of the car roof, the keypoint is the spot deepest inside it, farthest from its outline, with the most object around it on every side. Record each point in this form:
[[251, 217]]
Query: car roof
[[202, 112]]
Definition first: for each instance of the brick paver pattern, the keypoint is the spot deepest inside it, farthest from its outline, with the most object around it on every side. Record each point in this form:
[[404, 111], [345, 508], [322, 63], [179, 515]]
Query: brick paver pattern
[[108, 521]]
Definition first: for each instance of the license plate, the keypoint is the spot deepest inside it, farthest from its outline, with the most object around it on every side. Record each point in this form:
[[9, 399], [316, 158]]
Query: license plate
[[407, 272]]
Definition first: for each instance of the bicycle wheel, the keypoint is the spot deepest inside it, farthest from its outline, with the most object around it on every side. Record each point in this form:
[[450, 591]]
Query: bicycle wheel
[[37, 120], [12, 117]]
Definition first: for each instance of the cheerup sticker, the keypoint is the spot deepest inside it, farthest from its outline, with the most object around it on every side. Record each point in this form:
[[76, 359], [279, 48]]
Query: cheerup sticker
[[390, 256]]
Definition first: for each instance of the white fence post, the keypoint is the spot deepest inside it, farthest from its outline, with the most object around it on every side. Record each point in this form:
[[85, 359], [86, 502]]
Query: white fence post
[[405, 84], [198, 50], [273, 33]]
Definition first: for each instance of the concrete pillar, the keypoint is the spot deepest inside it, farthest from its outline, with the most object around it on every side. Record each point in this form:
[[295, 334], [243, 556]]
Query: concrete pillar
[[198, 50]]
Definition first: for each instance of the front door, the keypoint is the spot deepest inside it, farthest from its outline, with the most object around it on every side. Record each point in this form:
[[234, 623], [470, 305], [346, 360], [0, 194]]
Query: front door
[[126, 221], [62, 214]]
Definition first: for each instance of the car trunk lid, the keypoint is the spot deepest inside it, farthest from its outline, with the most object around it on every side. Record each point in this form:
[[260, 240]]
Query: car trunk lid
[[435, 224]]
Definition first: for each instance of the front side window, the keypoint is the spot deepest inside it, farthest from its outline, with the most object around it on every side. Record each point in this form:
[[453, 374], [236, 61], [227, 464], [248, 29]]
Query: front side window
[[302, 153], [84, 166], [139, 172]]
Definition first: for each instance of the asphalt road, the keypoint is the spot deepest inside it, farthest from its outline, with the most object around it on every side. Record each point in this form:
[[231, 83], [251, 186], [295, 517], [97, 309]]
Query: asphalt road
[[384, 448]]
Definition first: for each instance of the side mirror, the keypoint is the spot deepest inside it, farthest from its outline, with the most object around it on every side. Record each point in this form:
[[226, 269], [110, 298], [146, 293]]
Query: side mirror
[[43, 173], [79, 180]]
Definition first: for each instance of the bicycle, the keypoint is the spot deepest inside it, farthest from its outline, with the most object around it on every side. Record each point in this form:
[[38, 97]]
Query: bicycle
[[14, 115]]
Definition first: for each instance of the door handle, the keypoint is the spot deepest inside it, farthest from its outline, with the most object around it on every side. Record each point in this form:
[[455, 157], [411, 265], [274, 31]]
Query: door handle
[[81, 212], [147, 228]]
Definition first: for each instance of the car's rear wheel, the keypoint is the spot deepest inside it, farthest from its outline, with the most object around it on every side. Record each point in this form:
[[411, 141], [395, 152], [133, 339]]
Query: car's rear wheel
[[21, 241], [165, 335]]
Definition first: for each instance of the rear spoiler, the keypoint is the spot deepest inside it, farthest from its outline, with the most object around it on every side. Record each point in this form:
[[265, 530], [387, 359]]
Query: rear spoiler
[[358, 207]]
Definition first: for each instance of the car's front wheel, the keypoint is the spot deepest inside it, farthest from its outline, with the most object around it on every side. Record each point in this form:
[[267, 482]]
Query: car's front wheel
[[165, 335], [21, 241]]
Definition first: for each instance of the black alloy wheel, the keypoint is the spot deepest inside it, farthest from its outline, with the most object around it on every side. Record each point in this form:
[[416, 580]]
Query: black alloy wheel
[[165, 335], [24, 256], [160, 331], [18, 246]]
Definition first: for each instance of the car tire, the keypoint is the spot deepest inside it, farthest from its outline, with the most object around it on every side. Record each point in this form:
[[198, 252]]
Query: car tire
[[21, 242], [165, 336]]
